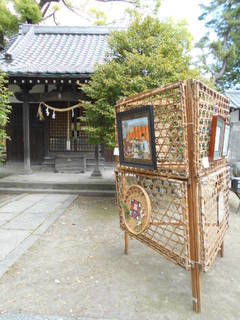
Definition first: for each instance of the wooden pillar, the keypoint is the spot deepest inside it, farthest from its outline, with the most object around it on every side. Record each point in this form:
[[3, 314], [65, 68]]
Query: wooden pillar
[[193, 201], [126, 243], [222, 250], [46, 137], [26, 138]]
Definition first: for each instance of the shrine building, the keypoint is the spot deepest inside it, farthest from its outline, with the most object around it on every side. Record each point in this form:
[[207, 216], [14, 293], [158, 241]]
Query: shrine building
[[47, 64]]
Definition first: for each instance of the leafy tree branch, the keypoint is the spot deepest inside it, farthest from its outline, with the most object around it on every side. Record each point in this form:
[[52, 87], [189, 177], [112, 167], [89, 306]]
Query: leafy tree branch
[[221, 47], [5, 109], [147, 55]]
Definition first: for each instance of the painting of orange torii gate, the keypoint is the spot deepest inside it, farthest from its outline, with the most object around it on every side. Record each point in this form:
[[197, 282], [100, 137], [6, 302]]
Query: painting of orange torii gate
[[136, 138]]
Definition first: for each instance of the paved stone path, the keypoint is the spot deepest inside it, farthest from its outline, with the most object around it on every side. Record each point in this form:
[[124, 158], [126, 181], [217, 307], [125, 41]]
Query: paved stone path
[[27, 317], [23, 219]]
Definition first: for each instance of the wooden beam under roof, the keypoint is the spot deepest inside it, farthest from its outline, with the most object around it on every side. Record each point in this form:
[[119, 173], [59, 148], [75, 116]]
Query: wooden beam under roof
[[52, 80], [50, 96]]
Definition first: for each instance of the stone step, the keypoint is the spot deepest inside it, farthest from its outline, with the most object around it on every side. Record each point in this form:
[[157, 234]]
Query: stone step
[[93, 161], [86, 193], [48, 164], [66, 167], [57, 186], [90, 167], [71, 154], [48, 161], [89, 158], [50, 168], [75, 163], [70, 164]]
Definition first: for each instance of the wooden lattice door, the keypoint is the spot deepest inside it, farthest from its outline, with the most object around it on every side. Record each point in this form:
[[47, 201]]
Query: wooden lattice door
[[79, 138], [58, 132], [66, 132]]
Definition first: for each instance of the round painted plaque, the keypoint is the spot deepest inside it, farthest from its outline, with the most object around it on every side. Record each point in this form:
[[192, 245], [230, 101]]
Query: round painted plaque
[[136, 209]]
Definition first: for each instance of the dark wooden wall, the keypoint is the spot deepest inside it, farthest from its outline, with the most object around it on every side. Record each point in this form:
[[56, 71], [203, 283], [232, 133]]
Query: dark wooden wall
[[37, 131], [15, 132], [36, 135]]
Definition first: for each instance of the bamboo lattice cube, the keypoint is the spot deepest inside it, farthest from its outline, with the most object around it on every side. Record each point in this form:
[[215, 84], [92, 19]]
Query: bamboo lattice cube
[[184, 193]]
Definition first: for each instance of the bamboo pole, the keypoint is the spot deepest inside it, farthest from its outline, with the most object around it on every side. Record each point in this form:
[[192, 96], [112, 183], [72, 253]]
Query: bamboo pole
[[222, 250], [147, 94], [192, 203], [124, 182], [126, 243]]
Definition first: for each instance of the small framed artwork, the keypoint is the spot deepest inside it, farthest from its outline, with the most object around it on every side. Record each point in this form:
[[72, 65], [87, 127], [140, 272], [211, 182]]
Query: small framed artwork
[[217, 137], [226, 140], [136, 209], [136, 138]]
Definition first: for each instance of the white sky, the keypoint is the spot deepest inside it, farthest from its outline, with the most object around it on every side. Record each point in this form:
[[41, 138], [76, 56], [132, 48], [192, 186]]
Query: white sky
[[176, 9]]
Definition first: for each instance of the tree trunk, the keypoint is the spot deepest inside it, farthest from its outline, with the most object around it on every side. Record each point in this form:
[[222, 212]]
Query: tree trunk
[[1, 41], [219, 74]]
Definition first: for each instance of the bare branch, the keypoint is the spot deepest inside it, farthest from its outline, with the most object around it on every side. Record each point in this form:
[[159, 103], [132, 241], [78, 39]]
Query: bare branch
[[45, 9], [50, 15], [45, 5], [70, 8], [42, 3], [54, 19]]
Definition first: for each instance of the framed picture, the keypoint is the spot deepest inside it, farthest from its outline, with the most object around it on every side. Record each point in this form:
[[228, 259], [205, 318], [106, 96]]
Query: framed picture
[[136, 138], [217, 137], [226, 140]]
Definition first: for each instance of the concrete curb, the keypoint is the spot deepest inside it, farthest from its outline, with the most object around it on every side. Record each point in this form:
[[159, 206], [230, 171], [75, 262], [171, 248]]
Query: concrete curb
[[30, 317], [87, 193], [90, 185]]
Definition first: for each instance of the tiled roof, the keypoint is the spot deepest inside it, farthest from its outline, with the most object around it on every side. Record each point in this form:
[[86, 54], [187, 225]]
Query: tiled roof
[[234, 96], [55, 51]]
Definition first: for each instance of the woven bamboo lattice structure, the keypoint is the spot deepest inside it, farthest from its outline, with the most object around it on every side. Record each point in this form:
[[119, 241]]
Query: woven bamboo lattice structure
[[168, 230], [183, 192], [170, 128], [212, 233]]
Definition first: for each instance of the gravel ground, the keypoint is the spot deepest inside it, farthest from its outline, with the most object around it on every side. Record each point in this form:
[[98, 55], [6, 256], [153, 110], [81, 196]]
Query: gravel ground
[[78, 269]]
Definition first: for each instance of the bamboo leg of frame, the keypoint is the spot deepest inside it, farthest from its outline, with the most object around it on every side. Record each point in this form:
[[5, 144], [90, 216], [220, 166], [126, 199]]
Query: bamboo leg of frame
[[222, 250], [238, 208], [126, 243], [196, 288], [193, 200]]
